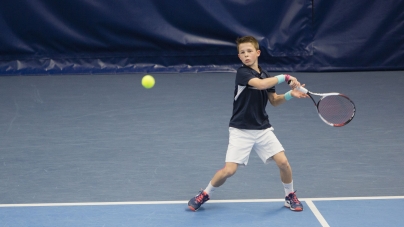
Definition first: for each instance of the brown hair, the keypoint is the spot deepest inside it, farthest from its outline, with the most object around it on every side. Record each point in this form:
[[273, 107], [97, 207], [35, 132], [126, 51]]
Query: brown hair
[[248, 39]]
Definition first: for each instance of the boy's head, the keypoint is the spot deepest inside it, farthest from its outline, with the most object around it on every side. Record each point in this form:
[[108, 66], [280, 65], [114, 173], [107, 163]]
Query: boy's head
[[248, 51], [247, 39]]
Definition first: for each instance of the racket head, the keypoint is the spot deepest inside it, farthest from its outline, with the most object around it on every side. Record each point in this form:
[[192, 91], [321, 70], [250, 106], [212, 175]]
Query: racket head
[[336, 110]]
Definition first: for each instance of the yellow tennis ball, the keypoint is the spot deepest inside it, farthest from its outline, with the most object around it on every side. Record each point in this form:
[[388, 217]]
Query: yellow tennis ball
[[148, 81]]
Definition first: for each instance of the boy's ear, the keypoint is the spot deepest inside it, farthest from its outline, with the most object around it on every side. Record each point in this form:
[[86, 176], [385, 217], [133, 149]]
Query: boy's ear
[[258, 52]]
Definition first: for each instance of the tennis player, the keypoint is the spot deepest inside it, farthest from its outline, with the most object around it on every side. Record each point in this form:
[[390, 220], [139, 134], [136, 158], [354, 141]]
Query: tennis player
[[249, 127]]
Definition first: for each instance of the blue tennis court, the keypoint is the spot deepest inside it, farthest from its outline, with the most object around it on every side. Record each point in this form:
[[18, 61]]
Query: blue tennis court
[[99, 151], [380, 211]]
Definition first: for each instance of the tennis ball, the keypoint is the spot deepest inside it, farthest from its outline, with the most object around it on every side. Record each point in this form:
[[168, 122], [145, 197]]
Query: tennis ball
[[148, 81]]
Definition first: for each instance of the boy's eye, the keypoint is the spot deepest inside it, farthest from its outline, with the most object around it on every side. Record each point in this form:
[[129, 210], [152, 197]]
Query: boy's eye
[[248, 51]]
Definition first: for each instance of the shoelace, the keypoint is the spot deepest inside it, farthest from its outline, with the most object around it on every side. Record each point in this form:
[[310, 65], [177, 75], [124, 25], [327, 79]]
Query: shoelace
[[294, 198], [201, 198]]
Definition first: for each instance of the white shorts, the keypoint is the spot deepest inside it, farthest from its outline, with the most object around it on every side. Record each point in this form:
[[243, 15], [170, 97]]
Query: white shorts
[[243, 141]]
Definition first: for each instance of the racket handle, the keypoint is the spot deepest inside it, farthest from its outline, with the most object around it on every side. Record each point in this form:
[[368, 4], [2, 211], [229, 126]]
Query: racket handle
[[302, 89]]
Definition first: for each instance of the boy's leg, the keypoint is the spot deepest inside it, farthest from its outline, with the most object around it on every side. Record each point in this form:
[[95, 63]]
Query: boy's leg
[[221, 176], [238, 152], [285, 170], [218, 179], [284, 167]]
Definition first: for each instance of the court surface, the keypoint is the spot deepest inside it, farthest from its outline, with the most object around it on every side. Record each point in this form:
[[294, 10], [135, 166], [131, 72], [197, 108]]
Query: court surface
[[100, 150]]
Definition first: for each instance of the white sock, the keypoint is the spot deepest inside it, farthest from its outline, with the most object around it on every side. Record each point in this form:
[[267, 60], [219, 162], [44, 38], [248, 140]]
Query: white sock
[[210, 189], [288, 188]]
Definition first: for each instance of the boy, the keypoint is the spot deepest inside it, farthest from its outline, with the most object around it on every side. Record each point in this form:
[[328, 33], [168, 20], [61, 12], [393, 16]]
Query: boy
[[249, 127]]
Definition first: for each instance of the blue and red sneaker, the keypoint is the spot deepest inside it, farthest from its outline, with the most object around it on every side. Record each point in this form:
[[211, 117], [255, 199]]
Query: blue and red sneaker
[[293, 202], [196, 202]]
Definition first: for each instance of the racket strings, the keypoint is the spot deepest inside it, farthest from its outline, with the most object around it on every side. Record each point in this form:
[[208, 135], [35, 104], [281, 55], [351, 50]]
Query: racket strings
[[336, 109]]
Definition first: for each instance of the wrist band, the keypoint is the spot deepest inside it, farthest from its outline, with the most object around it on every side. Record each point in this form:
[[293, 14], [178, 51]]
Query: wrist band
[[281, 78], [287, 77], [288, 95]]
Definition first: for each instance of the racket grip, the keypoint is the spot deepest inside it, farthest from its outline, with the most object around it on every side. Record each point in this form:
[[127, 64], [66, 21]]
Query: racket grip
[[302, 89]]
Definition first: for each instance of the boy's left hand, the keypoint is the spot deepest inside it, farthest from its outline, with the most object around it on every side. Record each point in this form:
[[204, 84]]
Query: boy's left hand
[[298, 94]]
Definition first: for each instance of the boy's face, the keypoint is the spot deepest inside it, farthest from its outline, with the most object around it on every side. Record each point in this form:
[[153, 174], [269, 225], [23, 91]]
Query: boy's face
[[248, 54]]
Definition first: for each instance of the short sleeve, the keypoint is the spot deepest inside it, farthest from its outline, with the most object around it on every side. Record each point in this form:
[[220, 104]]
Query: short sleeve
[[243, 76]]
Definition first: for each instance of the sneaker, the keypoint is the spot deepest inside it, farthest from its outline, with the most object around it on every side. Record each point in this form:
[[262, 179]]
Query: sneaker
[[293, 202], [198, 200]]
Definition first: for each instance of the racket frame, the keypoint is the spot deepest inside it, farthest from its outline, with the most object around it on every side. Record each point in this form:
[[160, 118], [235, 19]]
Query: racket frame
[[323, 95]]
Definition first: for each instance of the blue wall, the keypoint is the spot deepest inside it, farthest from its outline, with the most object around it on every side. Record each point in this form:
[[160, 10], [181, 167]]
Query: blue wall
[[114, 36]]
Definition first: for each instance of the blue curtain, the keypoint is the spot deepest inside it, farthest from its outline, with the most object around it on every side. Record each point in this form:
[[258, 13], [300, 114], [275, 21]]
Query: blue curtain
[[115, 36]]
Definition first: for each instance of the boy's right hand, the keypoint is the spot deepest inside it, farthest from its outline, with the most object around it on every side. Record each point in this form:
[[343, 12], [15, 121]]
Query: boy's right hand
[[293, 83]]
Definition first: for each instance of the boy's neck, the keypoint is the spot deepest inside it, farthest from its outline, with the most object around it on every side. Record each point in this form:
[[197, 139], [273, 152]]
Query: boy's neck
[[256, 68]]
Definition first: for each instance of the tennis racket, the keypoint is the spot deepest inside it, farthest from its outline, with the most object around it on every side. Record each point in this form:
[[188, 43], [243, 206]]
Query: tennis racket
[[334, 109]]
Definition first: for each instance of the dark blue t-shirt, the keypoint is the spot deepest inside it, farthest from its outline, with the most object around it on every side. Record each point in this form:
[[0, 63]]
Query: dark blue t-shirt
[[249, 103]]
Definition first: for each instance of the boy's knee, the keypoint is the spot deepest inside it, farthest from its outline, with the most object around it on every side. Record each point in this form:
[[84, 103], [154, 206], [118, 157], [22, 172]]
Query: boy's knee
[[283, 164], [229, 171], [281, 160]]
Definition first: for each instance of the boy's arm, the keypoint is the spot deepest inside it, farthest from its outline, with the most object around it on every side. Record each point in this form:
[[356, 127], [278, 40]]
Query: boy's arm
[[276, 99], [262, 84]]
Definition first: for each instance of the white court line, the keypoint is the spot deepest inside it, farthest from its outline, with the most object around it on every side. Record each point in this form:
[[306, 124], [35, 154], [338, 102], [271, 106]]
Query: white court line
[[355, 198], [317, 213], [184, 202]]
